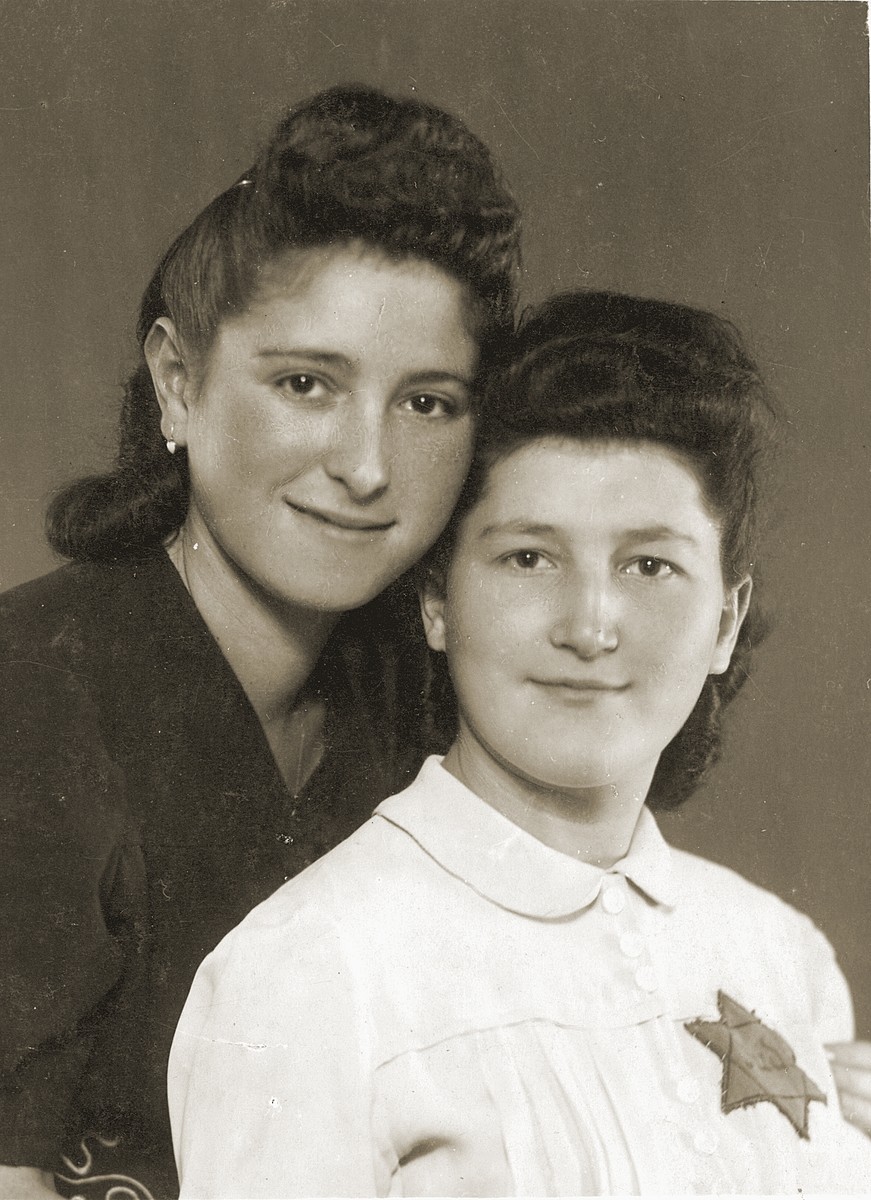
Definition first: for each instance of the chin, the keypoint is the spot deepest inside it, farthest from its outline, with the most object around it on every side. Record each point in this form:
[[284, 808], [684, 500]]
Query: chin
[[574, 776], [333, 605]]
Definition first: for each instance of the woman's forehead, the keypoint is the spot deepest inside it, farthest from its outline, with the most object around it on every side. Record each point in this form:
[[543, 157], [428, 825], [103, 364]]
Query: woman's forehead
[[300, 267], [594, 484], [350, 287]]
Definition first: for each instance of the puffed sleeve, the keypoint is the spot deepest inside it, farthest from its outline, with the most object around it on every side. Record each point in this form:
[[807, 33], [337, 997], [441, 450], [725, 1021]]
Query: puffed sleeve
[[831, 1003], [61, 848], [269, 1076]]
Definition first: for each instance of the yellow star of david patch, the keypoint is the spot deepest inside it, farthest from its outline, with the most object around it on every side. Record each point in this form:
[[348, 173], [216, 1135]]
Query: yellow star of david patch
[[758, 1064]]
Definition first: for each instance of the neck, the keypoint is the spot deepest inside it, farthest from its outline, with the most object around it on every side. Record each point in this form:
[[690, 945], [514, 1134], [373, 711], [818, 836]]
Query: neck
[[271, 647], [593, 824]]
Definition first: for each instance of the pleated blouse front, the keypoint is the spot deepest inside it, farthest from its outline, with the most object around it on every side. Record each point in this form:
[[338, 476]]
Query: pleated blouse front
[[445, 1006]]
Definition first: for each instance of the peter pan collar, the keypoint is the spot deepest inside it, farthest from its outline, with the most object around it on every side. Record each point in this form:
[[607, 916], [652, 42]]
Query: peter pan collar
[[508, 866]]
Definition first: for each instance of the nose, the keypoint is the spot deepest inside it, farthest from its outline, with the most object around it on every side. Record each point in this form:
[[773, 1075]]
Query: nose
[[586, 621], [359, 452]]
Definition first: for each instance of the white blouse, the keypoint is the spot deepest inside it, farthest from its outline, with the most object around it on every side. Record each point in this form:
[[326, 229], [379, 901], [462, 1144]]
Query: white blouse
[[445, 1006]]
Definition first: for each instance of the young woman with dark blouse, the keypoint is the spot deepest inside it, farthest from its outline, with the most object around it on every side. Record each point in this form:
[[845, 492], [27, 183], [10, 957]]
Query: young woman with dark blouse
[[212, 694]]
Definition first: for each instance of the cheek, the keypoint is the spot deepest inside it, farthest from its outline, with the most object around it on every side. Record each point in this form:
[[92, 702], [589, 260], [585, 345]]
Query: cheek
[[432, 468], [262, 451], [484, 636], [680, 645], [220, 437]]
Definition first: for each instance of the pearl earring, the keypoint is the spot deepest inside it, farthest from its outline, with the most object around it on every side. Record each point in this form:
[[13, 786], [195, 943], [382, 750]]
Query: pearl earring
[[171, 446]]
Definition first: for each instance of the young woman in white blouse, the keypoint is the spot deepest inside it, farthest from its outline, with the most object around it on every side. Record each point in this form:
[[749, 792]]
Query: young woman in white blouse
[[506, 983]]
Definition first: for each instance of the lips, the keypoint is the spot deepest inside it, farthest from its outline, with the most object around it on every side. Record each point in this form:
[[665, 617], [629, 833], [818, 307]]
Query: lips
[[582, 686], [350, 522]]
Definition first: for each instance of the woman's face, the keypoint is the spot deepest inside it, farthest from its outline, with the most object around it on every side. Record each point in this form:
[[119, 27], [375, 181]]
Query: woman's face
[[330, 428], [583, 609]]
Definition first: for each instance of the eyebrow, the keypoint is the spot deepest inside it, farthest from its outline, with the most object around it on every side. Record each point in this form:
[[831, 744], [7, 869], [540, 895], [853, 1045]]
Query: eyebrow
[[652, 533], [331, 358], [325, 356], [519, 526], [659, 533]]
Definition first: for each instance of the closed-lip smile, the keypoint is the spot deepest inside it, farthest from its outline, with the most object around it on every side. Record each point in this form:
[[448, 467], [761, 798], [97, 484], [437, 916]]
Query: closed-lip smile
[[349, 521], [582, 685]]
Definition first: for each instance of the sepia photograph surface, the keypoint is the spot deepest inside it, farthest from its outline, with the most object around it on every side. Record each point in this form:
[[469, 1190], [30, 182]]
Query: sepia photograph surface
[[711, 155]]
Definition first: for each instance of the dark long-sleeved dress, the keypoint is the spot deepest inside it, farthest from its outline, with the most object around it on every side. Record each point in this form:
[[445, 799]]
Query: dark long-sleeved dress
[[142, 816]]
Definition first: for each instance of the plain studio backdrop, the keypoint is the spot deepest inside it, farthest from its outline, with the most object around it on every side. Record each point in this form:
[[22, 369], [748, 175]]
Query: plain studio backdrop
[[713, 153]]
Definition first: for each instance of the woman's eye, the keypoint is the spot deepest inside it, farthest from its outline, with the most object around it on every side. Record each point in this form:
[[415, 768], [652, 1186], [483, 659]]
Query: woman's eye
[[427, 405], [528, 560], [650, 568], [300, 383]]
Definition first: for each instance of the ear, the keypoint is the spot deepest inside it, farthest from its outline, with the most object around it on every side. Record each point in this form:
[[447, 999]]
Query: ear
[[731, 619], [172, 376], [431, 595]]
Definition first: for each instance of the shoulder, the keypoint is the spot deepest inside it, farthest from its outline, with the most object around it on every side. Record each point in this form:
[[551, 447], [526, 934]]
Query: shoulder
[[72, 581], [45, 669], [58, 663], [74, 610], [341, 907], [33, 611], [53, 632], [351, 885], [742, 912], [714, 885], [750, 942], [103, 630]]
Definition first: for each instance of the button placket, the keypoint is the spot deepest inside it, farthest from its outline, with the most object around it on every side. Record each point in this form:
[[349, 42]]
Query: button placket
[[645, 977], [631, 943], [691, 1112], [705, 1142], [630, 940], [613, 898], [703, 1138]]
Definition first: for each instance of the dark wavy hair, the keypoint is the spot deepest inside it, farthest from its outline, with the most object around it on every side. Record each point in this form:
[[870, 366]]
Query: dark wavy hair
[[603, 366], [349, 165]]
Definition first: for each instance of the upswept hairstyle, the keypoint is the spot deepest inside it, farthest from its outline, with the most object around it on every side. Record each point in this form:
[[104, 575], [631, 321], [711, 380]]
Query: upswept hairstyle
[[351, 164], [604, 366]]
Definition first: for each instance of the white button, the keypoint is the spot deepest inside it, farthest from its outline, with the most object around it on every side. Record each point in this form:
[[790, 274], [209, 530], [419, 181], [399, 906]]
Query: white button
[[706, 1142], [631, 943], [645, 978], [613, 900], [688, 1090]]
